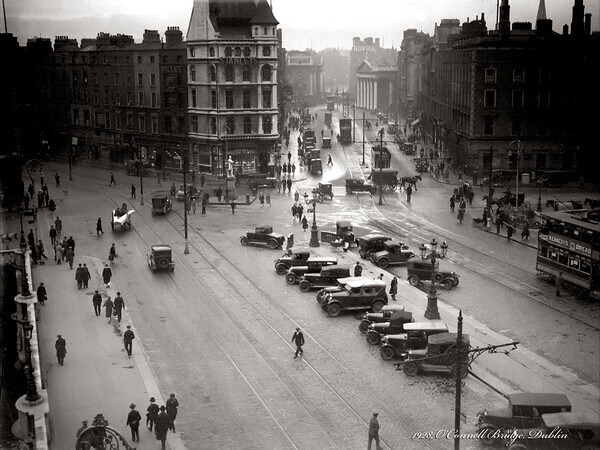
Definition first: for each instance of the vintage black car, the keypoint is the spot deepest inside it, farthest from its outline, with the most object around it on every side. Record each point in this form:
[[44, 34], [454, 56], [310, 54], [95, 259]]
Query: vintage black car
[[290, 259], [395, 325], [161, 204], [313, 265], [439, 356], [261, 180], [384, 315], [392, 253], [340, 286], [343, 229], [359, 185], [263, 235], [524, 410], [327, 277], [414, 337], [160, 257], [424, 270], [362, 294], [371, 243], [325, 190]]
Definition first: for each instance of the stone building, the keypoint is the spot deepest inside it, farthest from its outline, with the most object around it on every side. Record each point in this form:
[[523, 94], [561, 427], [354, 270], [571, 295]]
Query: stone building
[[369, 50], [232, 57], [304, 73]]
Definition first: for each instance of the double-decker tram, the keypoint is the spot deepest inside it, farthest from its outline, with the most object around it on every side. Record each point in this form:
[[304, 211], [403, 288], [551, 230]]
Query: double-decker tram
[[569, 248]]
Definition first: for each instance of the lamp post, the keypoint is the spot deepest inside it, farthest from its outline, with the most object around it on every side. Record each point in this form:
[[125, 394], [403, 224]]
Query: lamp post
[[540, 183], [32, 393], [141, 172], [314, 232], [381, 133], [432, 311], [363, 136], [514, 159], [186, 249]]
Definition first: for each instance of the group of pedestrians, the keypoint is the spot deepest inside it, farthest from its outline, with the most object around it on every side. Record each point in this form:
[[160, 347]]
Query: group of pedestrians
[[161, 419]]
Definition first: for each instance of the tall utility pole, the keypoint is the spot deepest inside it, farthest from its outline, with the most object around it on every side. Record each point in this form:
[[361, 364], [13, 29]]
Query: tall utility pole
[[363, 134], [489, 202], [354, 122], [186, 249], [458, 392], [381, 166]]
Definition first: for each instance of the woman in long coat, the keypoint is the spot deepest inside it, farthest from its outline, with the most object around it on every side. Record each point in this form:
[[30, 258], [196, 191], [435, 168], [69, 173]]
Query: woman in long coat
[[108, 304], [106, 275], [304, 223]]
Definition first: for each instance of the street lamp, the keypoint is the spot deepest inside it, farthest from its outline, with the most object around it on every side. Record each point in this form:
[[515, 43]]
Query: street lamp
[[540, 184], [140, 172], [314, 233], [381, 133], [434, 255], [32, 393], [186, 249], [432, 312]]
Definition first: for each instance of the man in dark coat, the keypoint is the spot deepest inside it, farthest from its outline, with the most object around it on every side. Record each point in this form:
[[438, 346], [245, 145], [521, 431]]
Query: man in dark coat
[[128, 338], [52, 235], [358, 269], [69, 256], [106, 275], [394, 288], [71, 242], [86, 276], [133, 420], [61, 349], [97, 302], [298, 339], [41, 293], [374, 431], [162, 427], [99, 230], [31, 238], [172, 405], [79, 276], [152, 414], [119, 305], [289, 185]]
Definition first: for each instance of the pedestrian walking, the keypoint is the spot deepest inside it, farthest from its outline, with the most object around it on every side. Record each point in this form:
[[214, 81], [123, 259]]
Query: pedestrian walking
[[70, 256], [193, 202], [289, 157], [173, 190], [133, 191], [84, 425], [58, 226], [559, 284], [42, 295], [394, 288], [268, 199], [219, 193], [162, 427], [509, 231], [119, 306], [278, 183], [294, 212], [329, 161], [112, 180], [108, 304], [86, 276], [172, 405], [106, 275], [284, 168], [408, 193], [61, 349], [97, 302], [40, 250], [525, 232], [293, 169], [289, 185], [304, 223], [152, 413], [112, 253], [31, 238], [452, 203], [58, 252], [374, 431], [296, 196], [232, 207], [298, 339], [133, 421], [57, 179], [79, 276], [52, 206], [203, 204], [202, 179], [128, 338], [300, 210], [358, 269], [261, 199]]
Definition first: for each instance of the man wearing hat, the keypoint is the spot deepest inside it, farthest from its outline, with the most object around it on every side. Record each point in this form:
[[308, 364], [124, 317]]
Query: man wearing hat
[[133, 420], [298, 339], [162, 426], [128, 338], [152, 414], [61, 349], [172, 405], [374, 431]]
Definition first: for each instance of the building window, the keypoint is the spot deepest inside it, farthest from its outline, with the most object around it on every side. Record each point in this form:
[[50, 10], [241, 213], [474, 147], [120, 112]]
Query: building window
[[142, 124], [118, 120], [266, 98], [489, 98], [194, 124], [140, 99], [192, 73], [152, 79], [165, 59], [265, 31], [490, 76], [193, 98], [129, 98], [266, 73], [117, 98], [213, 99], [128, 80], [256, 31], [247, 73], [213, 74], [213, 125], [247, 125], [106, 97], [192, 52], [211, 52], [153, 99], [116, 79], [228, 52], [540, 161], [267, 125], [105, 78], [518, 75], [518, 98], [140, 79], [229, 73], [266, 50], [515, 127], [238, 51], [246, 52], [129, 119], [230, 125], [139, 59], [228, 99], [488, 126], [154, 125], [246, 96], [151, 59], [95, 97]]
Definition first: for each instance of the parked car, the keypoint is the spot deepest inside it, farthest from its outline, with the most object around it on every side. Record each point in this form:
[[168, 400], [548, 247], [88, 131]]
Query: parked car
[[439, 356], [290, 259], [414, 337], [371, 243], [344, 231], [339, 287], [362, 294], [263, 235], [313, 265], [386, 313], [161, 257], [392, 253], [572, 430], [395, 325], [524, 410], [191, 190], [161, 204], [424, 270], [260, 180], [328, 276], [359, 185]]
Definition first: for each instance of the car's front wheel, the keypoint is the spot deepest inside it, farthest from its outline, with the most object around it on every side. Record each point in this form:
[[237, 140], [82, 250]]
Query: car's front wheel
[[304, 286], [272, 244], [244, 240], [448, 284], [411, 369], [334, 310], [383, 263], [386, 352], [281, 269], [377, 305], [290, 278], [373, 338], [363, 326], [413, 280]]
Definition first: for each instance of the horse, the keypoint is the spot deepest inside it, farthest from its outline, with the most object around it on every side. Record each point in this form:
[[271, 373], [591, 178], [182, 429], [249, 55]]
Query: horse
[[411, 181]]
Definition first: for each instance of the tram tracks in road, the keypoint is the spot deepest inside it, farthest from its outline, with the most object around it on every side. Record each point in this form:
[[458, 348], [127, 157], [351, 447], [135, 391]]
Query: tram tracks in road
[[327, 381]]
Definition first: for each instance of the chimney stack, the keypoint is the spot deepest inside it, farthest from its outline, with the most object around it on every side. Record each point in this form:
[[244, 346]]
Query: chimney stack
[[577, 20], [588, 24], [504, 23]]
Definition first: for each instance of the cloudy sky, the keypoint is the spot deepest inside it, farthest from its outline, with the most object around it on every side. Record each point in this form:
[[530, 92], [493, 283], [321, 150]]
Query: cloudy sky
[[305, 23]]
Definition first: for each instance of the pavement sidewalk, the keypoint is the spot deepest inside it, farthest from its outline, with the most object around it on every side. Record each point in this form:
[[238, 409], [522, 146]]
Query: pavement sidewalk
[[97, 376]]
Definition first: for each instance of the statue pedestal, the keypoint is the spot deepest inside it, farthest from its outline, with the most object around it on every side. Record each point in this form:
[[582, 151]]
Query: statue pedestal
[[230, 191], [432, 312]]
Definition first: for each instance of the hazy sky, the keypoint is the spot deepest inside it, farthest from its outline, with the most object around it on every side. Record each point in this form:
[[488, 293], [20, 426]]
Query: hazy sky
[[305, 23]]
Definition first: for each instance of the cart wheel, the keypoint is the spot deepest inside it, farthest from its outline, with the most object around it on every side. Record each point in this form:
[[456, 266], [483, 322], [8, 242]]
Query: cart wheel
[[448, 284], [411, 369], [413, 280], [386, 353]]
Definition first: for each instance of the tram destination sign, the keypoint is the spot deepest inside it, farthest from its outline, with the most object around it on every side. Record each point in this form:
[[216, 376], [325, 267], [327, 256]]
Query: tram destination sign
[[570, 244]]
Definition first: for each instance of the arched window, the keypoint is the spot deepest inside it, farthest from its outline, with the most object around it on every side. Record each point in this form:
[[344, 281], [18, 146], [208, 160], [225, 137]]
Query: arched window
[[247, 73], [256, 31], [211, 52], [266, 50], [247, 125], [192, 73], [266, 73], [265, 31], [213, 74], [247, 52], [238, 51], [228, 52], [229, 73]]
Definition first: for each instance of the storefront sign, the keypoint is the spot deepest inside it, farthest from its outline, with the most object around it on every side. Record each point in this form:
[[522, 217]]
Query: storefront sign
[[567, 243]]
